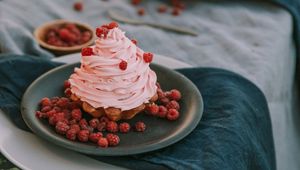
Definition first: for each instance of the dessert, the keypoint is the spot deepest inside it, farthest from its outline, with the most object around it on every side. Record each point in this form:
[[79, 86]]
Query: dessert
[[114, 78]]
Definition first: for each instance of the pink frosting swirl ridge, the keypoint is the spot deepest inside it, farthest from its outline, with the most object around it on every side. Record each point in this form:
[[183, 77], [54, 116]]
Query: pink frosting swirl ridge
[[101, 83]]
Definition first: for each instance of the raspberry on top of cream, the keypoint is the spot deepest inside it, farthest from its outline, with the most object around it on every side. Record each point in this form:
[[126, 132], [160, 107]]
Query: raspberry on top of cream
[[114, 72]]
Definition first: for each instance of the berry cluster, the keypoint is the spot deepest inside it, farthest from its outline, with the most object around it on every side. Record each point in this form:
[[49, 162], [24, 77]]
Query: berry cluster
[[67, 35], [177, 6], [167, 105], [103, 30]]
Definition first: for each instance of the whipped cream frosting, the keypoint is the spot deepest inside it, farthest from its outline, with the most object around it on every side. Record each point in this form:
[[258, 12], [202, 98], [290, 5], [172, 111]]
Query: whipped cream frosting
[[101, 83]]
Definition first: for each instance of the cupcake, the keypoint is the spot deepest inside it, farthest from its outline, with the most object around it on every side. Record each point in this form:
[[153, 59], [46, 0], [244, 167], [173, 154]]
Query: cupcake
[[114, 78]]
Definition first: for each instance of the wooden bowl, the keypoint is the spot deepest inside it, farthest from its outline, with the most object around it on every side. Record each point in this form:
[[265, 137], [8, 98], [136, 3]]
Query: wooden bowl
[[40, 36]]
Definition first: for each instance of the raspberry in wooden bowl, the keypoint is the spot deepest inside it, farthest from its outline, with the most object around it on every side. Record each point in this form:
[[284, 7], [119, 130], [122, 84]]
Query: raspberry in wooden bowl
[[63, 36]]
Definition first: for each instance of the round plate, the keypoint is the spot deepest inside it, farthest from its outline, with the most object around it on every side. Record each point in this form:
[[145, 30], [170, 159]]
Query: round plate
[[159, 133]]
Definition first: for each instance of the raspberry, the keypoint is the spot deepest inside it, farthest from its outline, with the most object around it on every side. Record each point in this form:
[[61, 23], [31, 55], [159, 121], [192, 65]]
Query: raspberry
[[148, 57], [76, 127], [136, 2], [164, 100], [83, 124], [162, 8], [66, 35], [152, 109], [54, 100], [113, 140], [87, 51], [73, 105], [39, 114], [94, 137], [104, 119], [174, 94], [140, 126], [134, 41], [141, 11], [83, 135], [123, 65], [61, 128], [68, 92], [45, 102], [103, 142], [57, 109], [94, 122], [173, 105], [124, 127], [76, 114], [112, 25], [46, 109], [101, 32], [172, 114], [67, 84], [72, 121], [162, 112], [112, 126], [78, 6], [67, 114], [101, 126], [176, 11], [50, 113], [58, 117], [160, 94], [71, 134], [62, 102]]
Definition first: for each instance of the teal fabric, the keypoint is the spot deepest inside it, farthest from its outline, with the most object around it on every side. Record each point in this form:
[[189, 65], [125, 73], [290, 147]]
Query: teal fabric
[[234, 133]]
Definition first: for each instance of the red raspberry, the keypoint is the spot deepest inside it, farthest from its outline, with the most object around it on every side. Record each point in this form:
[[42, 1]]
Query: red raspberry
[[66, 35], [45, 102], [67, 114], [46, 109], [113, 140], [134, 41], [173, 105], [164, 100], [50, 113], [62, 127], [162, 112], [58, 117], [94, 122], [160, 94], [103, 142], [78, 6], [73, 105], [123, 65], [83, 124], [39, 114], [152, 109], [140, 126], [136, 2], [76, 114], [101, 32], [83, 135], [162, 8], [57, 109], [71, 134], [63, 102], [148, 57], [68, 92], [87, 51], [76, 127], [176, 11], [94, 137], [174, 95], [67, 84], [54, 100], [72, 122], [141, 11], [112, 25], [172, 114], [124, 127], [101, 126], [112, 126], [104, 119]]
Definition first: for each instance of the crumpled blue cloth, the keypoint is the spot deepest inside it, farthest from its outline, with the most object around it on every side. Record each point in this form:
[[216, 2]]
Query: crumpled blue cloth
[[234, 133]]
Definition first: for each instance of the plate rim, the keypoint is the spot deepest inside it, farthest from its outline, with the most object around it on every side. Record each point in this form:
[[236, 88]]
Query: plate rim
[[41, 132]]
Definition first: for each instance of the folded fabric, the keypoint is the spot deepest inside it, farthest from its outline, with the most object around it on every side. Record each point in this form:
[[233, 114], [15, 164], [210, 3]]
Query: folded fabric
[[234, 132]]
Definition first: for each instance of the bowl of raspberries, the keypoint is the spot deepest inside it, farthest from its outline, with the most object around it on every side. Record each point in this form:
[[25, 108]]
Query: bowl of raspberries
[[64, 37]]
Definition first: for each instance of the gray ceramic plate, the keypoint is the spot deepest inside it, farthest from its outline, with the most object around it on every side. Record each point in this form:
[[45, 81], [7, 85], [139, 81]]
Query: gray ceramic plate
[[159, 133]]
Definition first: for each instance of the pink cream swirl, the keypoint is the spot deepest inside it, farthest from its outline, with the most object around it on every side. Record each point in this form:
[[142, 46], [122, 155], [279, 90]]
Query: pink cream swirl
[[101, 83]]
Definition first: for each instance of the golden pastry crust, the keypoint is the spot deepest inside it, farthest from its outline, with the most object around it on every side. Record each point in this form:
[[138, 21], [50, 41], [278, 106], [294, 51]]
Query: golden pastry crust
[[112, 113]]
